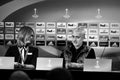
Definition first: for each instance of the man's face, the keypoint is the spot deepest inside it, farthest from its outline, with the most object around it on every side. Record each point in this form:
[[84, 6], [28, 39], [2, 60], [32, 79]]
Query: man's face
[[77, 39], [29, 38]]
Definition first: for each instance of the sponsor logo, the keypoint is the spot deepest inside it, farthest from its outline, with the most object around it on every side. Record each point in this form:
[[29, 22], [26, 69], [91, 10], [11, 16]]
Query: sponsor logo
[[9, 36], [40, 24], [61, 37], [61, 25], [9, 24], [40, 31], [50, 31]]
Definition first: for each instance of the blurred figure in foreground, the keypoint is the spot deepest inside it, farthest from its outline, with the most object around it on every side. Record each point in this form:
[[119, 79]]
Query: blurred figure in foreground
[[19, 75], [59, 74]]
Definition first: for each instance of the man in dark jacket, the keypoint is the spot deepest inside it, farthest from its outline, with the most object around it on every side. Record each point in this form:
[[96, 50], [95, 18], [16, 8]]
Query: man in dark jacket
[[24, 52], [76, 51]]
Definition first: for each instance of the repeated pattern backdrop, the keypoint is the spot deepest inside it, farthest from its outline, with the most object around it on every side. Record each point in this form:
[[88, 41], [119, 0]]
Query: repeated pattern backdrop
[[59, 33]]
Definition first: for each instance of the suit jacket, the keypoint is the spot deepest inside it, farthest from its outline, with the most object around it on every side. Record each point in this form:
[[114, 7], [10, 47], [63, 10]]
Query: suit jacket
[[31, 56], [70, 54]]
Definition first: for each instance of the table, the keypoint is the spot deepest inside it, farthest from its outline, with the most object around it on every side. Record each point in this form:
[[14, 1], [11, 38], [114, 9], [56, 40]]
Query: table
[[77, 75]]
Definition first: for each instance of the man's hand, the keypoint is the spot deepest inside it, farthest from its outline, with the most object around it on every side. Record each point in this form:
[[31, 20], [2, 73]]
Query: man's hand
[[74, 65]]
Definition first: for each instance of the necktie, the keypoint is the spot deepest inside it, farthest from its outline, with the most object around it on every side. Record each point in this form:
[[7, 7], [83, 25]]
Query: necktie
[[23, 56]]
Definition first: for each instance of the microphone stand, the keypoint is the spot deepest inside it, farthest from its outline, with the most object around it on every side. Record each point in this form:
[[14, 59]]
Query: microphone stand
[[104, 49], [22, 59]]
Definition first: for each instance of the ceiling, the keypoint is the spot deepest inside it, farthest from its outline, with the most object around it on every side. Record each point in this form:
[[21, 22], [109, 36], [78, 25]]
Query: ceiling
[[2, 2]]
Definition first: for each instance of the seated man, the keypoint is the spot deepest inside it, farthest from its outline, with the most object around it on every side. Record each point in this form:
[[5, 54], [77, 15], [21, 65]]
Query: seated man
[[24, 52], [75, 52]]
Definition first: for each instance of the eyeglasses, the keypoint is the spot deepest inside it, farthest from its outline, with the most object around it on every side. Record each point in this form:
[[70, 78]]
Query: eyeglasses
[[31, 36], [77, 37]]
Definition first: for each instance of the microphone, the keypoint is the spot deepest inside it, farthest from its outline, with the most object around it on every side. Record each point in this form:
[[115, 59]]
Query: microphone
[[104, 48]]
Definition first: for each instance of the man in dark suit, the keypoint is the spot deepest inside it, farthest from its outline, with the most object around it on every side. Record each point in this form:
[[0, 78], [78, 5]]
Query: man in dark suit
[[76, 51], [24, 52]]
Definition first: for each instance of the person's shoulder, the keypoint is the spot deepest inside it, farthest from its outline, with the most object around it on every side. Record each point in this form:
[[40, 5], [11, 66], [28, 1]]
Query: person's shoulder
[[13, 47]]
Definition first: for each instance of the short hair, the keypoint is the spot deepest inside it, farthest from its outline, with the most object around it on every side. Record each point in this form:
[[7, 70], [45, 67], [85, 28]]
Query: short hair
[[19, 75], [80, 31], [23, 32]]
